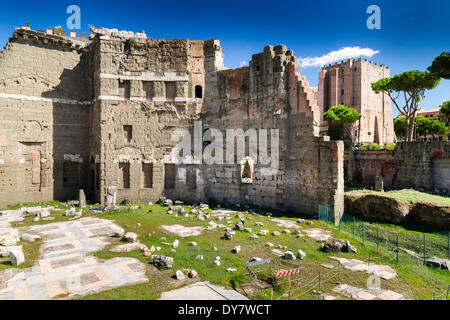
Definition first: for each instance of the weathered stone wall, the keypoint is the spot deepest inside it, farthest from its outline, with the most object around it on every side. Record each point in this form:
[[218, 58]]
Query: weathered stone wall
[[44, 118], [419, 165], [270, 94], [100, 113], [135, 128]]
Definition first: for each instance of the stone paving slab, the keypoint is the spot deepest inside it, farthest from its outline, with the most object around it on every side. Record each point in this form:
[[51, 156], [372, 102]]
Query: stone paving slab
[[286, 223], [223, 212], [367, 294], [318, 234], [379, 270], [66, 266], [202, 291], [182, 231]]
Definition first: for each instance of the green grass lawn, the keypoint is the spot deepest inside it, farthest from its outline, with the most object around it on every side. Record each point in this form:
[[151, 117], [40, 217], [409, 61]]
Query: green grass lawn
[[405, 195], [414, 280]]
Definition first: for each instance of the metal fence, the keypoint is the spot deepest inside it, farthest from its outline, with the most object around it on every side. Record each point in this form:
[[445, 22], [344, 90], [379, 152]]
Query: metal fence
[[403, 246]]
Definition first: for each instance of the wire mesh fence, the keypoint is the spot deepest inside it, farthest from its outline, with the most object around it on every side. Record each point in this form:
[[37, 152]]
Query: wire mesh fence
[[387, 245], [401, 245]]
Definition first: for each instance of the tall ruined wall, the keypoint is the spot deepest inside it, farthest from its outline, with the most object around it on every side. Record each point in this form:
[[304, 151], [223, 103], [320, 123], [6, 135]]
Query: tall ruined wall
[[44, 117], [418, 165], [143, 93], [270, 94]]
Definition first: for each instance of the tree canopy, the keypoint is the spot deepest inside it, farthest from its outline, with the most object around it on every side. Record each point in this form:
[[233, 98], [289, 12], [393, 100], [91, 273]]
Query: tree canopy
[[412, 86], [337, 117], [399, 127], [441, 65], [445, 109], [424, 126]]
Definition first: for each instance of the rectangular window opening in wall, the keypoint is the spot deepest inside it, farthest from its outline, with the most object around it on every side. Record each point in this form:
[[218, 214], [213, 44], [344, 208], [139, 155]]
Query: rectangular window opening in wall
[[128, 133], [147, 175], [191, 177], [71, 174], [97, 176], [169, 176], [171, 90], [342, 92], [124, 175], [125, 89], [148, 89]]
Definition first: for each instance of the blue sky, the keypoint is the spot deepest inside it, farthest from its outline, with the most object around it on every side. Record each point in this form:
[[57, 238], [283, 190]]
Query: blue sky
[[412, 34]]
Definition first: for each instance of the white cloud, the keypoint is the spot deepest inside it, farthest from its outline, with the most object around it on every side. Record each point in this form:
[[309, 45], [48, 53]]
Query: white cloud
[[243, 63], [338, 55]]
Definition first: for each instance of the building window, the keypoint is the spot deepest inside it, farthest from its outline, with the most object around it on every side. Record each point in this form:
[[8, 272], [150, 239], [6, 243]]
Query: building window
[[71, 174], [97, 176], [127, 133], [191, 177], [148, 89], [147, 175], [171, 90], [342, 92], [198, 91], [124, 89], [124, 175], [169, 176]]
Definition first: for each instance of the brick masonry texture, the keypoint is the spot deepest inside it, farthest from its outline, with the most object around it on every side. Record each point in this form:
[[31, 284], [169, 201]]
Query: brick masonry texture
[[99, 112]]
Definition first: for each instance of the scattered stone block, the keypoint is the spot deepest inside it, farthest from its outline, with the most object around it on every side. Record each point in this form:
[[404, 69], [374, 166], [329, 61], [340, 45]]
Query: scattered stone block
[[300, 254], [179, 275], [16, 257], [29, 237], [81, 199], [164, 261], [130, 237], [289, 255]]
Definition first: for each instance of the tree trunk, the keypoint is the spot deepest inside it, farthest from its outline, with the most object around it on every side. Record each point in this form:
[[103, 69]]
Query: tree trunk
[[407, 128], [411, 129]]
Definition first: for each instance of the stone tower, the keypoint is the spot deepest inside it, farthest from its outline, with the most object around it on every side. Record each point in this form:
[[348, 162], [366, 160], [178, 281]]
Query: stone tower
[[348, 83]]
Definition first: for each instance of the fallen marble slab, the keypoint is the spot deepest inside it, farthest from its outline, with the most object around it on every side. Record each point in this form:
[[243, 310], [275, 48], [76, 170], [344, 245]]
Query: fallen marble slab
[[382, 271], [130, 247], [182, 231], [286, 223], [367, 294], [318, 234], [202, 291]]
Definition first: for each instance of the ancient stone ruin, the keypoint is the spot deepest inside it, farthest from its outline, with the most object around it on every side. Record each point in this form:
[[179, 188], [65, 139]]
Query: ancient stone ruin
[[98, 114]]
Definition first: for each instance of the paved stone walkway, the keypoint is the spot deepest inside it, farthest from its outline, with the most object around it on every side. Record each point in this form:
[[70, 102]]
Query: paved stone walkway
[[66, 266], [202, 291], [367, 294], [379, 270]]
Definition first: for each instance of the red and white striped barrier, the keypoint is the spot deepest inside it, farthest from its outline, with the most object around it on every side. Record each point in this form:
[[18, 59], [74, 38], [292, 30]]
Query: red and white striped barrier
[[250, 272], [286, 273]]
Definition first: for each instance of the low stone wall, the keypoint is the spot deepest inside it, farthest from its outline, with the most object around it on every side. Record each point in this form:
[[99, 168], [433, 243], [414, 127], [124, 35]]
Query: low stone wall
[[419, 165]]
